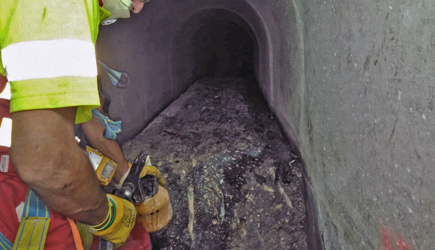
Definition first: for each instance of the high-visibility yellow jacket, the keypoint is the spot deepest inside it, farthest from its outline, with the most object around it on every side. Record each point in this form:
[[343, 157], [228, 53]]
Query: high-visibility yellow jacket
[[48, 54]]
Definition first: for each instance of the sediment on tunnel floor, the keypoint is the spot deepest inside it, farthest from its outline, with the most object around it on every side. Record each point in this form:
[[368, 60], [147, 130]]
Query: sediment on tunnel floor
[[233, 180]]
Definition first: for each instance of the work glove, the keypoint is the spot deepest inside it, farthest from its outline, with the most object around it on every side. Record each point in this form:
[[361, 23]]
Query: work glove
[[151, 170], [118, 224], [148, 169]]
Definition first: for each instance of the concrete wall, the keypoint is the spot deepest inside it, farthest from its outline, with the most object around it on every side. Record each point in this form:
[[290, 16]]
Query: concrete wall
[[153, 48], [350, 80], [369, 99]]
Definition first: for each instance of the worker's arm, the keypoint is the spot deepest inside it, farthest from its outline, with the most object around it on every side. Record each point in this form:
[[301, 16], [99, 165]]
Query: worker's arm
[[94, 132], [47, 158], [3, 81]]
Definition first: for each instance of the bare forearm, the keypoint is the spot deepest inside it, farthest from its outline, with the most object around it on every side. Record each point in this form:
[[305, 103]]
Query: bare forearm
[[46, 157], [94, 134]]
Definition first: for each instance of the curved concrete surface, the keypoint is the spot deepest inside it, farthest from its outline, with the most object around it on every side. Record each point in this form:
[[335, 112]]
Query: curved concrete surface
[[350, 81], [158, 51]]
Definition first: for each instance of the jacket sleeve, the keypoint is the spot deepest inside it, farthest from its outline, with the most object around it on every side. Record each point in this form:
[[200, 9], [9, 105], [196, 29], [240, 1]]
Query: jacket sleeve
[[50, 58]]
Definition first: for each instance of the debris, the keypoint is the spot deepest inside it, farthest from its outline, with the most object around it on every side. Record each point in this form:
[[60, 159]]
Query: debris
[[240, 173]]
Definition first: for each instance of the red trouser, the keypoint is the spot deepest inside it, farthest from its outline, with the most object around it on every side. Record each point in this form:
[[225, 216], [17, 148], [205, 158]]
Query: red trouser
[[12, 193]]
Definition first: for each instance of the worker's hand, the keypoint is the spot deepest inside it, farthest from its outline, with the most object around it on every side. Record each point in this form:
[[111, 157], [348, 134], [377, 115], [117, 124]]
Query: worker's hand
[[119, 223], [151, 170], [147, 170]]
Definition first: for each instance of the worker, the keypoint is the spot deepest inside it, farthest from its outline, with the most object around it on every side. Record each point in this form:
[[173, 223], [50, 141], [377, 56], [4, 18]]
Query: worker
[[48, 55], [95, 135], [12, 188]]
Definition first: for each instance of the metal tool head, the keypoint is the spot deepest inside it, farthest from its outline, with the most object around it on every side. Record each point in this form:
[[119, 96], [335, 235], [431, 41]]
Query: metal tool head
[[137, 189]]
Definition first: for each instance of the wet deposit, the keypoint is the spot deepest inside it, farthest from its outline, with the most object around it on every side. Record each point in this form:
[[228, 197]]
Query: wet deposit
[[233, 180]]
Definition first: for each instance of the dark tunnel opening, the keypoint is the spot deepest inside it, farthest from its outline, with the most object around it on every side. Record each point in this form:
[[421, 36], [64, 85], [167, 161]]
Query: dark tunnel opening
[[222, 49], [215, 43]]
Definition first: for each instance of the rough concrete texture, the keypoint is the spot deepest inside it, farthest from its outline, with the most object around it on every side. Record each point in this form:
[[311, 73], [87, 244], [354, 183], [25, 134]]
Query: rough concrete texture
[[350, 82], [370, 92], [233, 180]]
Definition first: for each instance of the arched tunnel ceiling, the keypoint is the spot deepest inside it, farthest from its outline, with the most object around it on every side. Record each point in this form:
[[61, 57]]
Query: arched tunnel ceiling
[[214, 42], [151, 45], [152, 48]]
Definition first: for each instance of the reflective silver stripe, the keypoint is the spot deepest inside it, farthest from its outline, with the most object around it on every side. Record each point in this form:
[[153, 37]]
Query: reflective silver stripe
[[48, 59]]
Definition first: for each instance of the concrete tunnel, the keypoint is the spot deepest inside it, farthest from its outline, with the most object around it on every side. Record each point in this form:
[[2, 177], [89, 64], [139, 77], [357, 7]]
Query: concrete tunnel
[[349, 82]]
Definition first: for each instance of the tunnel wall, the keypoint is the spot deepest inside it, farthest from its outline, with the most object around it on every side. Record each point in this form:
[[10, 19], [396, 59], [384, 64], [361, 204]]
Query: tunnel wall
[[156, 53], [368, 143], [350, 82]]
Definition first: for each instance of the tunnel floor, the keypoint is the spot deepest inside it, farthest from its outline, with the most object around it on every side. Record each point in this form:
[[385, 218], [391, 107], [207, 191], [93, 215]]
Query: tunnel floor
[[233, 181]]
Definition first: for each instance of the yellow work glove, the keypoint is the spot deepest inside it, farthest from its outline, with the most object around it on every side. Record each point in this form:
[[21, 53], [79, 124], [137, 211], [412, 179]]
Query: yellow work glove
[[118, 224], [151, 170], [147, 170]]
